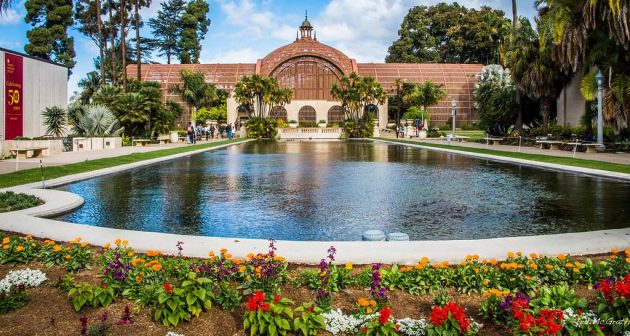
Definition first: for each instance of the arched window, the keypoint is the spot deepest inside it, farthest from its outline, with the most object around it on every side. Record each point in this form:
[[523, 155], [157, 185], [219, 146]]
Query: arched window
[[372, 110], [335, 115], [307, 114], [279, 112], [311, 78]]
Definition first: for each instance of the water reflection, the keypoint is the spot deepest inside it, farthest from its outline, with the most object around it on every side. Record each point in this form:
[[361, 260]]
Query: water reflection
[[335, 191]]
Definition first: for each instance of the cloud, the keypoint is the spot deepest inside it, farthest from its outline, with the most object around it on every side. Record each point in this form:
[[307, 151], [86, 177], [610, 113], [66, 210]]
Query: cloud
[[11, 16], [246, 55]]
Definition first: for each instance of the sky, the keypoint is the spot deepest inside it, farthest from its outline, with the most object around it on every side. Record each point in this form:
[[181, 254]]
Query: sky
[[243, 31]]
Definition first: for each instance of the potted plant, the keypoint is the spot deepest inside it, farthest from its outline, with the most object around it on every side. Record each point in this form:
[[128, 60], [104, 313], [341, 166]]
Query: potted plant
[[322, 124], [293, 123]]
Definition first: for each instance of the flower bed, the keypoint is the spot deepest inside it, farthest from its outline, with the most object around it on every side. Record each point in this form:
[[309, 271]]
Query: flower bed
[[263, 295], [10, 201]]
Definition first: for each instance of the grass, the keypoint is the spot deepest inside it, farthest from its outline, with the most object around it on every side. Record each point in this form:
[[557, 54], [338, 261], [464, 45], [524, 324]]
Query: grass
[[34, 175], [592, 164]]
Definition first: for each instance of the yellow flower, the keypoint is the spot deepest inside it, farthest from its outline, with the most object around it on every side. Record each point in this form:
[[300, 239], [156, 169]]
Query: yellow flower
[[6, 247], [510, 254], [242, 269], [486, 282], [372, 303], [211, 253], [68, 257], [549, 267], [77, 239], [424, 261], [420, 266], [228, 255], [569, 265], [19, 248], [363, 302], [527, 277], [57, 248], [157, 267], [369, 310], [125, 242], [6, 240], [117, 241], [138, 279], [84, 244], [106, 246], [493, 262], [628, 260], [519, 253], [444, 263], [533, 255], [250, 256], [131, 254], [534, 266], [575, 270], [348, 266]]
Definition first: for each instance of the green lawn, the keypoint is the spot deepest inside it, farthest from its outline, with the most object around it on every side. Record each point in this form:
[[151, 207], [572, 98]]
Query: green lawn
[[34, 175], [593, 164]]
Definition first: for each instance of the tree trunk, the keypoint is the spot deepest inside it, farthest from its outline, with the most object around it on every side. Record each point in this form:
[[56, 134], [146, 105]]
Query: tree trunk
[[168, 56], [545, 107], [518, 125], [100, 40], [514, 15], [138, 50], [113, 42], [123, 42]]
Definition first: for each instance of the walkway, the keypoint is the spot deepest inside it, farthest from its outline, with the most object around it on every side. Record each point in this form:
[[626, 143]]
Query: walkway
[[9, 166], [623, 158]]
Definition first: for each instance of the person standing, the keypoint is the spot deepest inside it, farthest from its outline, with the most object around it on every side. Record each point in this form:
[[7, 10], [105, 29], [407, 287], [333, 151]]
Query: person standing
[[191, 133], [212, 131], [229, 131]]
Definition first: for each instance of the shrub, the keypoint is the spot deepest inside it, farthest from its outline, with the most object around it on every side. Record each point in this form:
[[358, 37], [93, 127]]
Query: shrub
[[450, 320], [309, 321], [96, 296], [561, 296], [10, 201], [495, 99], [381, 326], [181, 304], [262, 128], [267, 317]]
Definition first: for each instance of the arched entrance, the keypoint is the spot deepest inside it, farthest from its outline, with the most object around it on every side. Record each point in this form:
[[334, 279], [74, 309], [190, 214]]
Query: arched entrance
[[307, 116], [335, 115], [279, 112]]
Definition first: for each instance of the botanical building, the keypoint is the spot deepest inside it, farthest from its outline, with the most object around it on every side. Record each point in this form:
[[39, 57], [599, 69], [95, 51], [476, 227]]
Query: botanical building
[[311, 68]]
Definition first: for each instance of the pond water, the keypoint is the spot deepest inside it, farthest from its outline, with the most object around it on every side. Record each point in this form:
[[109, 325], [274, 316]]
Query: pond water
[[337, 190]]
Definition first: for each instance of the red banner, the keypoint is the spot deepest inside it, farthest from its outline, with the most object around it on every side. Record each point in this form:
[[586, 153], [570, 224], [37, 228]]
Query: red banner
[[14, 94]]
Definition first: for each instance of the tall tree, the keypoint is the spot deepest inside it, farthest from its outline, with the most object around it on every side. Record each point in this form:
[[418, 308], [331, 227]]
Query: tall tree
[[166, 28], [514, 15], [137, 5], [49, 38], [112, 37], [194, 28], [356, 93], [5, 5], [449, 33], [88, 21], [261, 94], [123, 41]]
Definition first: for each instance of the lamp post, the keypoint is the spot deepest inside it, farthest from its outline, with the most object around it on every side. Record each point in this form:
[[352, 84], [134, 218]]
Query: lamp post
[[600, 122], [453, 114]]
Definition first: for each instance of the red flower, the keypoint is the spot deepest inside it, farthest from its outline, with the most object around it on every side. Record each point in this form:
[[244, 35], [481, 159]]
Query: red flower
[[397, 326], [385, 313], [168, 288], [309, 309], [257, 301], [104, 286], [276, 298], [451, 310], [364, 330]]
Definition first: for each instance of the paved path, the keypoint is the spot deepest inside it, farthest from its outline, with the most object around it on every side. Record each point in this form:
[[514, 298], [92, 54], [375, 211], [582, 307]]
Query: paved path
[[623, 158], [9, 166]]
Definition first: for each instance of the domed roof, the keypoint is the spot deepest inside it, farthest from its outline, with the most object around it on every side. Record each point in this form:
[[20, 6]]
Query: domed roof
[[305, 47]]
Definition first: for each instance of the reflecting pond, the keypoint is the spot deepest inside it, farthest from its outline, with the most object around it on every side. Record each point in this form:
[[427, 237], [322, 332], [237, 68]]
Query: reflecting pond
[[337, 190]]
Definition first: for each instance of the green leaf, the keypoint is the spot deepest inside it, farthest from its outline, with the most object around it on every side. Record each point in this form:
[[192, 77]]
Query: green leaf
[[172, 304], [190, 299]]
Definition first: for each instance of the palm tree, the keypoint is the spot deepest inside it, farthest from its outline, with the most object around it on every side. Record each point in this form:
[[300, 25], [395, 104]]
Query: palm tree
[[356, 93], [5, 5], [514, 15], [97, 120], [55, 120], [427, 94], [131, 110], [262, 94], [194, 91]]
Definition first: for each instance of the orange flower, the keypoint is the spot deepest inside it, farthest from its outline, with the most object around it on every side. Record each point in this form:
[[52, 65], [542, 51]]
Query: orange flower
[[106, 246], [117, 241], [242, 269], [57, 248], [577, 264], [157, 267], [534, 266], [549, 267], [68, 257], [19, 248], [493, 262], [562, 257], [614, 251], [138, 279], [6, 240], [248, 278], [510, 254], [628, 260], [519, 253], [6, 247], [77, 239], [424, 261], [372, 303], [575, 270], [568, 265], [627, 252], [363, 302], [369, 310], [486, 282], [224, 251], [124, 242], [527, 277], [84, 244], [420, 266], [279, 258], [444, 263], [131, 254], [250, 256], [435, 265], [228, 255], [533, 255]]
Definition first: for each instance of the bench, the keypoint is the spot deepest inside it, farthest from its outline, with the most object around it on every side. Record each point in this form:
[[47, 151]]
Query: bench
[[163, 139], [549, 144], [141, 142], [461, 138], [21, 153], [494, 141], [591, 147], [183, 139]]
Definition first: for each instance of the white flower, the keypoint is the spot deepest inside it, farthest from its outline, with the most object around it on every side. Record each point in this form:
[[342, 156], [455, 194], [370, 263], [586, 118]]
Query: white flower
[[170, 333], [411, 327], [27, 277]]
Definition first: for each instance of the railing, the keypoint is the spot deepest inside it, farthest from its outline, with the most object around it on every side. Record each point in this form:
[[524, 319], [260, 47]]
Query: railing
[[310, 133]]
